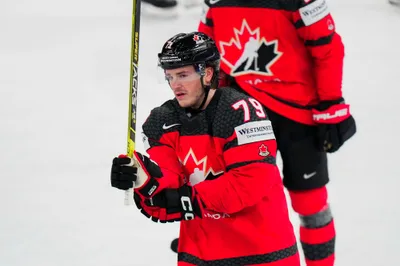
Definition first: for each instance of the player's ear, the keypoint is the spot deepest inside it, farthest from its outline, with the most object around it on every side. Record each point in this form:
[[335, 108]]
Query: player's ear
[[208, 75]]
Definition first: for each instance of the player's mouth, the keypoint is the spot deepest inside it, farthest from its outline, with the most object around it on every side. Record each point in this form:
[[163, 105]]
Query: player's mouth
[[179, 95]]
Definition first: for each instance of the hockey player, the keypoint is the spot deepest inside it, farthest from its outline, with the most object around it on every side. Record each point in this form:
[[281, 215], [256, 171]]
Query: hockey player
[[214, 153], [295, 70]]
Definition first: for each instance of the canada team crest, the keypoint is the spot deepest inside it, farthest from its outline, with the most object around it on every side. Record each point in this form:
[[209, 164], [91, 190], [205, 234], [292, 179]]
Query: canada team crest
[[200, 169], [249, 53]]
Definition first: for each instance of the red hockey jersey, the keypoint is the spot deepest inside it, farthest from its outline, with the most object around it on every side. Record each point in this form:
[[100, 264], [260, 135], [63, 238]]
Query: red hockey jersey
[[284, 53], [227, 152]]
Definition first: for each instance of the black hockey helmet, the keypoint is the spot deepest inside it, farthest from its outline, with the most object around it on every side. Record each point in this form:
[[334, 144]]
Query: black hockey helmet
[[194, 48]]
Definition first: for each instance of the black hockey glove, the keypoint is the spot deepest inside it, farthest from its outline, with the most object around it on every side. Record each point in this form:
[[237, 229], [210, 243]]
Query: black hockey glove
[[181, 203], [157, 214], [139, 172], [335, 124], [148, 180]]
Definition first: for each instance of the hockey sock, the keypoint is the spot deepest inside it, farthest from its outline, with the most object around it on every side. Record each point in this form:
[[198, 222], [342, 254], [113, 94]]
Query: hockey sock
[[317, 230]]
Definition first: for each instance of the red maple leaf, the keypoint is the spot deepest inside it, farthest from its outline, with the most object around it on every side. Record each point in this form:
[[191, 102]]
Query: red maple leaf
[[263, 150]]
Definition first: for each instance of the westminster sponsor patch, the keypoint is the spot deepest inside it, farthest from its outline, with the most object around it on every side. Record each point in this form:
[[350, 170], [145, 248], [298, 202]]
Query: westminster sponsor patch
[[254, 131], [314, 12]]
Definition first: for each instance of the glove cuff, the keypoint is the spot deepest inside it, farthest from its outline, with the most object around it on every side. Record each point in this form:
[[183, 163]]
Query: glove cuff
[[145, 184], [191, 204], [333, 115], [148, 188]]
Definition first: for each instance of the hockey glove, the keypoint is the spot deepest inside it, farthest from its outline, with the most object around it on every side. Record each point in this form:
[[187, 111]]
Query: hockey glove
[[140, 170], [182, 202], [156, 214], [335, 124]]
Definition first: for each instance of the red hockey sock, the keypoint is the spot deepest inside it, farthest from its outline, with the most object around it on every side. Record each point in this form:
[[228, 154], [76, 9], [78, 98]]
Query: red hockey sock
[[317, 230]]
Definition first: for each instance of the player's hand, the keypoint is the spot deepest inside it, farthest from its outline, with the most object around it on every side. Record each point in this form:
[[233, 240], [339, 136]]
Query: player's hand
[[123, 174], [156, 214], [138, 172], [181, 203], [335, 124]]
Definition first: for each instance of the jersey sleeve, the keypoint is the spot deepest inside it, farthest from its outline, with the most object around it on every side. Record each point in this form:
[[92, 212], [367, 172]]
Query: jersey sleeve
[[316, 27], [246, 139], [206, 22], [159, 144]]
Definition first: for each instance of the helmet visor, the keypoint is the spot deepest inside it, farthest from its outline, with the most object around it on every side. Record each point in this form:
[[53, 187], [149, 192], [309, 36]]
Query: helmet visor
[[181, 75]]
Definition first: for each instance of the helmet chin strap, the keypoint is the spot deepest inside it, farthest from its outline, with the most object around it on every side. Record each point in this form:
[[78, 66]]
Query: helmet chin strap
[[206, 88], [206, 91]]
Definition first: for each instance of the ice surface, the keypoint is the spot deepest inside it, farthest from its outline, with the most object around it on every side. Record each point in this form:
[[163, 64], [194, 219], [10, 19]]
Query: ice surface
[[64, 78]]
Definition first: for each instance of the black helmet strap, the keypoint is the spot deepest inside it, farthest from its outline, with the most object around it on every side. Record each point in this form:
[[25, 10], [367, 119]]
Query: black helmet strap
[[201, 69], [206, 91]]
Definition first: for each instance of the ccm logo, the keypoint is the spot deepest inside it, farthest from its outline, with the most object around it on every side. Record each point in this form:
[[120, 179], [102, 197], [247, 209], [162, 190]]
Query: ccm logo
[[187, 208]]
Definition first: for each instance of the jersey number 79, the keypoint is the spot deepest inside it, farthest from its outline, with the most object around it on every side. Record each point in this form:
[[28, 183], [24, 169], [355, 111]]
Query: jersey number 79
[[246, 110]]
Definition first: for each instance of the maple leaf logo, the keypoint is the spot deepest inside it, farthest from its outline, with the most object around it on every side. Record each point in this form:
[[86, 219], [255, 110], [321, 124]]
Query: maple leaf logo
[[198, 39], [263, 150], [200, 168], [248, 53]]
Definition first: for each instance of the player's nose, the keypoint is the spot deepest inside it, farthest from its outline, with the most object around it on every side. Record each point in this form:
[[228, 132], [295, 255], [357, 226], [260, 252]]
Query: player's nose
[[174, 86]]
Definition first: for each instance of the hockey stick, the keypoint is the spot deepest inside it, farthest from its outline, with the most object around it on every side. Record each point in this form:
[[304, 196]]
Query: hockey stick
[[133, 88]]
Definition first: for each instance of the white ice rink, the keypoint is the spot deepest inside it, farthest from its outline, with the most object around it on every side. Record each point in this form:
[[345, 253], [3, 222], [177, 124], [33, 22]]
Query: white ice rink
[[64, 78]]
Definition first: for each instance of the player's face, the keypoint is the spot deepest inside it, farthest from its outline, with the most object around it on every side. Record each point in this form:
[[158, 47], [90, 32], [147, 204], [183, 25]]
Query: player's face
[[185, 82]]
